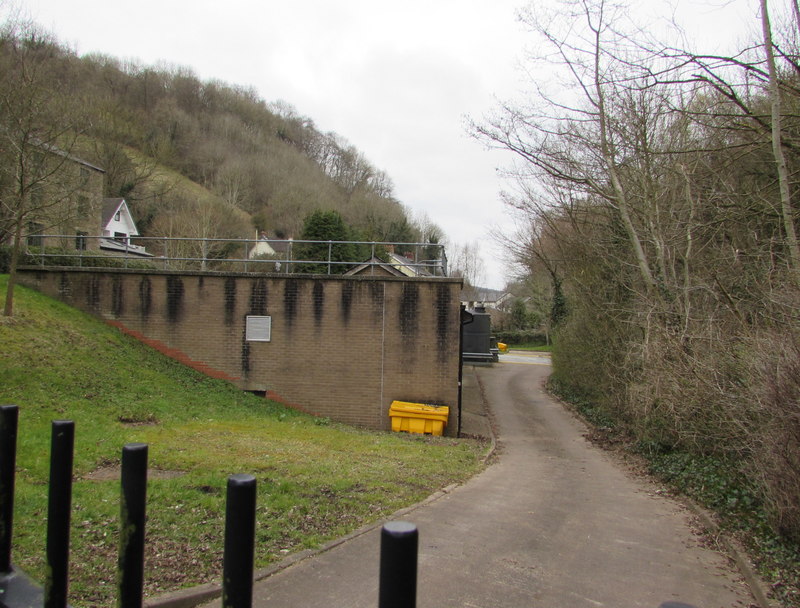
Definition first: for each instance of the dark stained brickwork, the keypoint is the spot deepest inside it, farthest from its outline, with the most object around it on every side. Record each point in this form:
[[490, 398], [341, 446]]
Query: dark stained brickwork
[[230, 300], [145, 297], [291, 301], [258, 297], [319, 301], [341, 347], [174, 298], [117, 297]]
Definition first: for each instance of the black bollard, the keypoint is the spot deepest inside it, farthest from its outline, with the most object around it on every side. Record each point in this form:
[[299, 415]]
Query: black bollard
[[398, 570], [130, 564], [240, 530], [58, 513], [9, 417]]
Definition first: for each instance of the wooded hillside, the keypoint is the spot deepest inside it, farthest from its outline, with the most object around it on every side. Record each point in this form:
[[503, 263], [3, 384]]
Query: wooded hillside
[[192, 158]]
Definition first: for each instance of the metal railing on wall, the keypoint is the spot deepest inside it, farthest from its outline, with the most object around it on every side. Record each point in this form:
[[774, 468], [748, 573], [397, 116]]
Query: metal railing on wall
[[268, 256]]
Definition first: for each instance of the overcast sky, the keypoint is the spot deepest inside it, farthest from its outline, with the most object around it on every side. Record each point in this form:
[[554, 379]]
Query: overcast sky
[[396, 79]]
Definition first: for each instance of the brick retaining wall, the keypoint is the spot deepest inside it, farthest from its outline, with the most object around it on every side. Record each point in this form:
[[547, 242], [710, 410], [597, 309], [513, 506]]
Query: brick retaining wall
[[340, 347]]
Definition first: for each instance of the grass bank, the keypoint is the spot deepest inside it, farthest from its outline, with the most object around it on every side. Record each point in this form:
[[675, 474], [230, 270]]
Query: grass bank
[[532, 347], [317, 480]]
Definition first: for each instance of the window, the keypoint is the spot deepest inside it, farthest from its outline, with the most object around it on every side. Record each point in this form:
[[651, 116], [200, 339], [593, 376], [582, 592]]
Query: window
[[35, 238], [258, 329], [121, 237], [116, 216], [81, 240], [83, 206]]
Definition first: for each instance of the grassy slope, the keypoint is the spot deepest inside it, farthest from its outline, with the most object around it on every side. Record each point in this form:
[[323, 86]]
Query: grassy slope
[[316, 480]]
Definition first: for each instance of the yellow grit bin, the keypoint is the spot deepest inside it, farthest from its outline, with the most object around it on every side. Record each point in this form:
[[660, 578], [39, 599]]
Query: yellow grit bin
[[418, 417]]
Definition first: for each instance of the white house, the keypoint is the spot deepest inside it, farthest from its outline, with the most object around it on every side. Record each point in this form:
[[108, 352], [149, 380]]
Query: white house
[[261, 247], [472, 297], [118, 228]]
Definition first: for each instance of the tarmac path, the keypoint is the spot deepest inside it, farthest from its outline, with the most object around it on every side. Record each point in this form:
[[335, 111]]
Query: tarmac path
[[553, 522]]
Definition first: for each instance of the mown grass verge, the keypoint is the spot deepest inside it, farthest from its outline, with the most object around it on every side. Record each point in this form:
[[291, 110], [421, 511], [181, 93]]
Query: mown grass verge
[[537, 348], [317, 480]]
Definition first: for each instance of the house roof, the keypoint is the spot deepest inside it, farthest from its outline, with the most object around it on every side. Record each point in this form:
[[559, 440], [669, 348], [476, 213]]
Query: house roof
[[480, 294], [373, 263], [397, 265], [86, 164], [280, 245], [110, 208], [112, 245], [58, 151], [408, 266]]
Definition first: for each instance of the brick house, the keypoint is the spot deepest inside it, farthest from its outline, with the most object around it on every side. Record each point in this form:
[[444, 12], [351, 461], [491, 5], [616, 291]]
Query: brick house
[[68, 202]]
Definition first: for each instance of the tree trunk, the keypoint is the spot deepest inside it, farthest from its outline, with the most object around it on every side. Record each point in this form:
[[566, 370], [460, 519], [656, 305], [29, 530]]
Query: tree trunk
[[796, 11], [787, 211], [8, 310], [607, 153]]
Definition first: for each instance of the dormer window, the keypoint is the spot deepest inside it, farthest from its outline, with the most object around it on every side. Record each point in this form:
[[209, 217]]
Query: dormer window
[[116, 216]]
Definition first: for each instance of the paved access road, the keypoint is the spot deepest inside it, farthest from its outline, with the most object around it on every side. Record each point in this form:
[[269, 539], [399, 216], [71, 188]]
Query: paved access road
[[552, 523], [531, 358]]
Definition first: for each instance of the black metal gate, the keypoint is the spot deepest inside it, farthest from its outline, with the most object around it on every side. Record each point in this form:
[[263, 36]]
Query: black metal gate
[[399, 540]]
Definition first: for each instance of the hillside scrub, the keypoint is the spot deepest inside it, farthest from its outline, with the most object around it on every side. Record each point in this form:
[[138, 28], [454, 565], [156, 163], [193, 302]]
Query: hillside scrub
[[656, 188], [317, 480]]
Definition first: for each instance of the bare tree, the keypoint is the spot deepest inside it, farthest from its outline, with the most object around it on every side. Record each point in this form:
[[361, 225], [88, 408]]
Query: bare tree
[[576, 136], [656, 187], [39, 127], [787, 209], [464, 260]]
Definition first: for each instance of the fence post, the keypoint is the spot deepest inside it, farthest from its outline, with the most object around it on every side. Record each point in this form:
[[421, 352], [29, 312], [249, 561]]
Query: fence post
[[58, 513], [9, 417], [240, 530], [398, 569], [130, 564]]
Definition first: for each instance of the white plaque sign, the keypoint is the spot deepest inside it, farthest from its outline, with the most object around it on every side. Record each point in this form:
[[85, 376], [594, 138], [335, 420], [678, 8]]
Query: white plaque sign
[[258, 329]]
